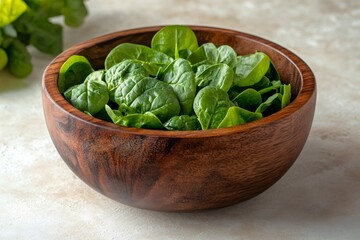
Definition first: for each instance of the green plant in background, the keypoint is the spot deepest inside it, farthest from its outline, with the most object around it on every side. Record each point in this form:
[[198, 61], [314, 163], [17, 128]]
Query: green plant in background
[[27, 22]]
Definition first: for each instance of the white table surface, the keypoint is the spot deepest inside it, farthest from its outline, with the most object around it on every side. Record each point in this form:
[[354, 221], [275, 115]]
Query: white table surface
[[318, 198]]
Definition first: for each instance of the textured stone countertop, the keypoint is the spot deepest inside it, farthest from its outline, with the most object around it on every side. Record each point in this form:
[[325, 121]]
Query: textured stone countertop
[[318, 198]]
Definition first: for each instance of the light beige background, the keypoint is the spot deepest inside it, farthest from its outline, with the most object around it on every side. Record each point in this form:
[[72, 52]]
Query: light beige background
[[318, 198]]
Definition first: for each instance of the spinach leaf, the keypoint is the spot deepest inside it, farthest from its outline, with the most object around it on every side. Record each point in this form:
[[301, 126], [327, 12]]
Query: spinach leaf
[[138, 120], [19, 59], [146, 120], [102, 115], [90, 96], [146, 94], [208, 53], [181, 78], [115, 115], [218, 75], [151, 59], [211, 105], [172, 40], [263, 83], [98, 75], [272, 73], [73, 72], [185, 53], [183, 122], [248, 99], [205, 54], [202, 68], [10, 10], [273, 100], [68, 92], [121, 71], [264, 86], [274, 85], [285, 90], [250, 69], [236, 116], [227, 55]]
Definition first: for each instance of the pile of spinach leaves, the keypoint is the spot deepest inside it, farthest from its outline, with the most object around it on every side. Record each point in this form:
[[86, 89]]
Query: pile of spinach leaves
[[27, 22], [175, 84]]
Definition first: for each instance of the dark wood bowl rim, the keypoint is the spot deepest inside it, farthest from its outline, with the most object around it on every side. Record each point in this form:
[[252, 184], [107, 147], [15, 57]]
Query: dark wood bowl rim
[[49, 87]]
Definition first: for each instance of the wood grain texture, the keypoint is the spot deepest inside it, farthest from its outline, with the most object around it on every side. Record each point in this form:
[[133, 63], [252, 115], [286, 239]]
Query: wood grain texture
[[181, 170]]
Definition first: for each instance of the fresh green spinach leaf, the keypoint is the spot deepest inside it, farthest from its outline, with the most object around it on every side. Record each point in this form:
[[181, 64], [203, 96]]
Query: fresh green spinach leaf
[[146, 94], [68, 92], [272, 100], [248, 99], [138, 120], [263, 83], [272, 72], [151, 59], [98, 75], [227, 55], [250, 69], [73, 72], [185, 53], [273, 86], [181, 78], [236, 116], [90, 96], [211, 105], [285, 90], [207, 53], [218, 75], [172, 40], [118, 73], [183, 122], [145, 120], [115, 115], [103, 115]]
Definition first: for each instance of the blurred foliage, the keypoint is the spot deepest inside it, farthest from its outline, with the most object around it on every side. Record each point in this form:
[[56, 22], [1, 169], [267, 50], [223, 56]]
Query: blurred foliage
[[28, 22]]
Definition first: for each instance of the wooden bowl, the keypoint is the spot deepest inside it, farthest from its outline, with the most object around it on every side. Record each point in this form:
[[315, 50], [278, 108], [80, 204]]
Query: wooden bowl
[[181, 170]]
